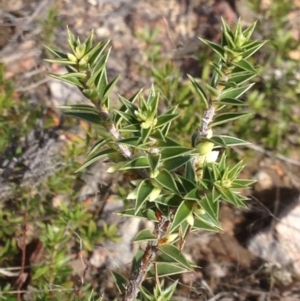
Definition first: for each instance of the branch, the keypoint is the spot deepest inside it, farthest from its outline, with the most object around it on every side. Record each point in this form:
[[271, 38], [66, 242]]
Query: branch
[[138, 276]]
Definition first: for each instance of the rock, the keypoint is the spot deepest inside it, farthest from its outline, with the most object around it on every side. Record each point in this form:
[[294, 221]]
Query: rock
[[116, 255], [271, 230]]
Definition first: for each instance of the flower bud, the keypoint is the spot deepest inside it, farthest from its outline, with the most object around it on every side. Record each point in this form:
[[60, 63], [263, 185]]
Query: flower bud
[[190, 219], [132, 195], [226, 183], [115, 167], [72, 58], [140, 116], [204, 147], [208, 158], [198, 209], [154, 194], [80, 50]]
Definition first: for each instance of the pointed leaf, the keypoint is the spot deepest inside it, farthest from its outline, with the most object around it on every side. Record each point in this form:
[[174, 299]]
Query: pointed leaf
[[89, 41], [153, 101], [79, 107], [185, 184], [175, 163], [128, 104], [201, 224], [57, 52], [71, 40], [211, 207], [72, 75], [227, 195], [131, 128], [228, 141], [190, 173], [215, 47], [72, 81], [154, 161], [254, 47], [166, 180], [174, 151], [143, 192], [183, 211], [199, 90], [226, 117], [241, 77], [98, 145], [184, 229], [168, 142], [148, 214], [91, 51], [101, 83], [145, 133], [193, 195], [207, 219], [137, 163], [169, 291], [96, 73], [97, 157], [86, 116], [132, 141], [120, 281], [170, 200], [234, 92], [233, 173], [241, 183], [110, 86], [231, 102], [125, 116], [164, 269], [165, 118], [95, 56], [176, 254], [145, 235], [245, 65]]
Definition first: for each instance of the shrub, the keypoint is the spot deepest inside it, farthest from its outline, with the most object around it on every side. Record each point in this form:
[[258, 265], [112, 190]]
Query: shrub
[[178, 187]]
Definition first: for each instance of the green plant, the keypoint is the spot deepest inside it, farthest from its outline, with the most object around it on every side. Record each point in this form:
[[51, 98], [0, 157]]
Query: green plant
[[41, 214], [178, 187], [277, 89], [49, 25]]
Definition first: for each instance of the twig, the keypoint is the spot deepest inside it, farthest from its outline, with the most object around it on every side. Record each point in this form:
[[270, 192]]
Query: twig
[[7, 59], [146, 261], [269, 153], [207, 118], [7, 273], [38, 291], [219, 296], [33, 86], [112, 129]]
